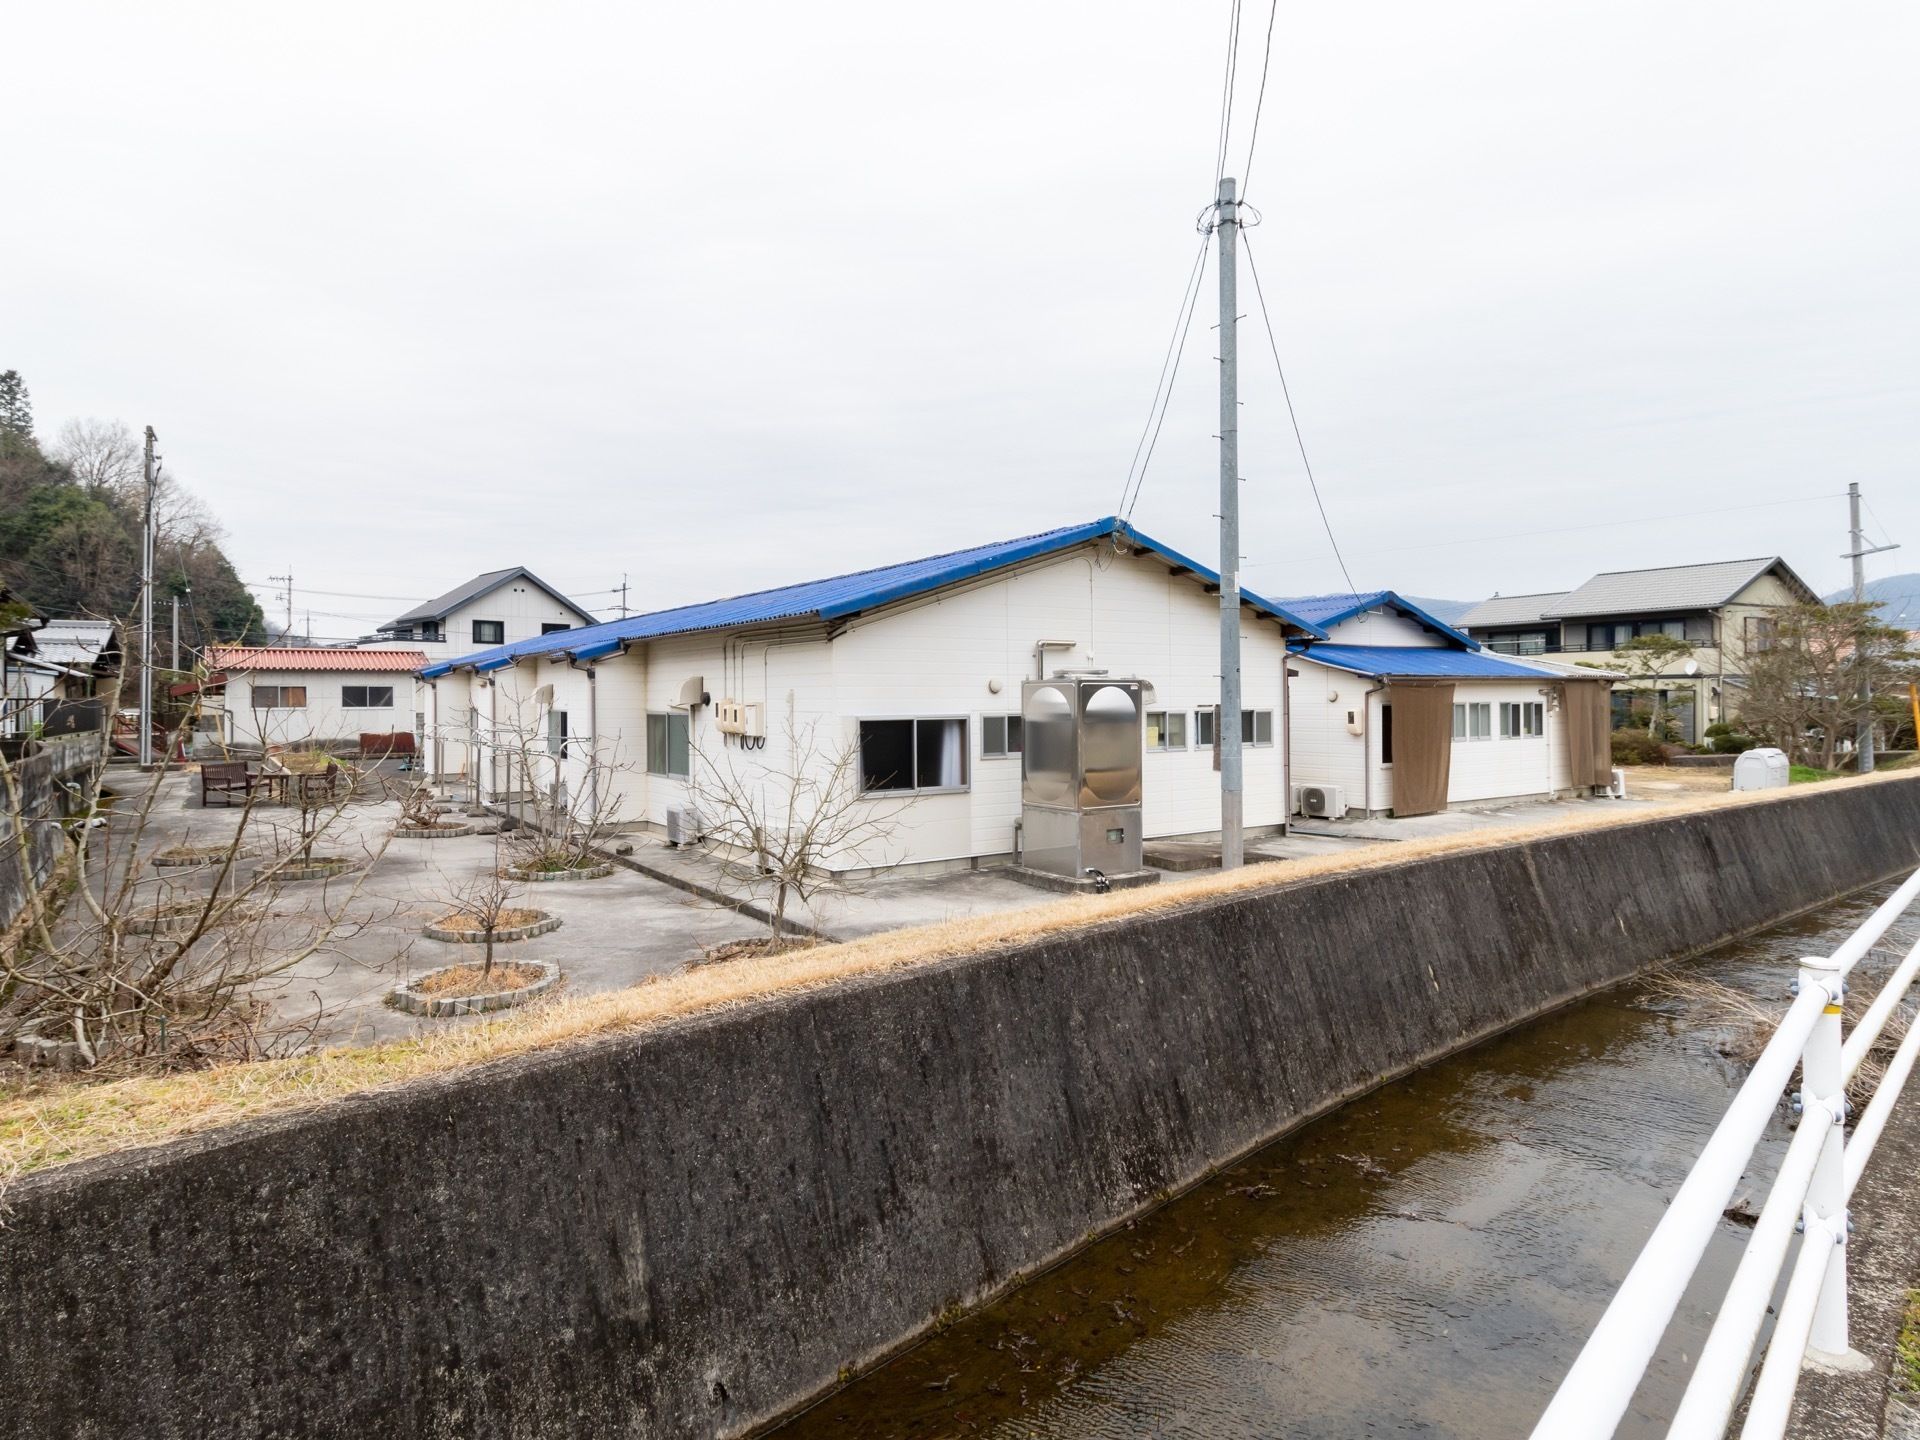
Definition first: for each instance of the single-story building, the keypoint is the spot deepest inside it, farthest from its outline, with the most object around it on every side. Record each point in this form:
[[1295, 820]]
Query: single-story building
[[50, 664], [913, 669], [1397, 712], [266, 695]]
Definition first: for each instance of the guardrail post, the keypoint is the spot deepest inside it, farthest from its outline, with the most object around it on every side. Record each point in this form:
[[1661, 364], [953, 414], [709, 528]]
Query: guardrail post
[[1823, 1095]]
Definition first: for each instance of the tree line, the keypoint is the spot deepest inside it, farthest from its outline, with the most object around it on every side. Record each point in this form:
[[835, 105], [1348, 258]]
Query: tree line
[[71, 513]]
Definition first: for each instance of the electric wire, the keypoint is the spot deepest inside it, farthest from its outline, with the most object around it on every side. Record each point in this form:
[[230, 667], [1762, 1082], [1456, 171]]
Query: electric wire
[[1273, 344], [1260, 100], [1226, 94], [1163, 388]]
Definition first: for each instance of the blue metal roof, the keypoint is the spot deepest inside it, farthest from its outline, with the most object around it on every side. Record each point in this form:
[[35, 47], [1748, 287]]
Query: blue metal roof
[[1332, 609], [840, 596], [1422, 662]]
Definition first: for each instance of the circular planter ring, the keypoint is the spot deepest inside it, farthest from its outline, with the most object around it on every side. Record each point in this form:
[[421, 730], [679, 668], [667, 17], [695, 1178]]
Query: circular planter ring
[[324, 868], [542, 877], [164, 861], [180, 921], [438, 832], [541, 926], [407, 998]]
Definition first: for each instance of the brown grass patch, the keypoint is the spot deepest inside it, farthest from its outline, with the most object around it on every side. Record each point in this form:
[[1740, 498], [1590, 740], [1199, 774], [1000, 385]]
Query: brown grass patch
[[38, 1131], [455, 982], [763, 946], [506, 920]]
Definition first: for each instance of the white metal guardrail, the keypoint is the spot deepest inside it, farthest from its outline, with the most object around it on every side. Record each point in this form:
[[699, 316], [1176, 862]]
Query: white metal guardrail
[[1808, 1196]]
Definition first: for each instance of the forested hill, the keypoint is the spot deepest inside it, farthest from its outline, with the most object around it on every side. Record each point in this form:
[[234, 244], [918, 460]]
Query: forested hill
[[70, 518]]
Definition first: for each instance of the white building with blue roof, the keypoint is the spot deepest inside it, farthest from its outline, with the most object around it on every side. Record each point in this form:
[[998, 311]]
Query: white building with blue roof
[[1396, 712], [916, 667]]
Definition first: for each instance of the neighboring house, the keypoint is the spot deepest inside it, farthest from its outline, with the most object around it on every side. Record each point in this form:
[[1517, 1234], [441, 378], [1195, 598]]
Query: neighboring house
[[1398, 712], [56, 662], [268, 696], [1725, 610], [497, 608], [917, 668]]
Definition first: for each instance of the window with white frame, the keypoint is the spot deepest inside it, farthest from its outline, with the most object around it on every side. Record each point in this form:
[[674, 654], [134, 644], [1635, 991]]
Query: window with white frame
[[279, 697], [669, 745], [1256, 727], [916, 754], [366, 697], [557, 733], [1473, 720], [1203, 727], [1522, 719], [1166, 730], [999, 736]]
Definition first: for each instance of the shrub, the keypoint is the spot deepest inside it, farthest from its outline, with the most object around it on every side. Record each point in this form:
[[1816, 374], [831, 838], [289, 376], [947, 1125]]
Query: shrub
[[1637, 747], [1725, 739]]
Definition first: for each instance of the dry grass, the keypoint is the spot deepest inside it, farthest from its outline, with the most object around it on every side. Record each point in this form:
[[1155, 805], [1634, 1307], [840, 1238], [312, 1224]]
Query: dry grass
[[730, 950], [454, 982], [74, 1122], [506, 920]]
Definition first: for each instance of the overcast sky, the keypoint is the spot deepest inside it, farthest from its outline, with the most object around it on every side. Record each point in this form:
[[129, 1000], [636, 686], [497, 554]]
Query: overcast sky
[[723, 296]]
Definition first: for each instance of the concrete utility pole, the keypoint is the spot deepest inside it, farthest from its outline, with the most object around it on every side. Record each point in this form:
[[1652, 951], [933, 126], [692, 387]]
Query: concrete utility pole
[[1863, 735], [286, 580], [175, 666], [1232, 806], [146, 610]]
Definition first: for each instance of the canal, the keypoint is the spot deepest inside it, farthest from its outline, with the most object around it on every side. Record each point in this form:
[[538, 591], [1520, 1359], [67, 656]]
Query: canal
[[1425, 1262]]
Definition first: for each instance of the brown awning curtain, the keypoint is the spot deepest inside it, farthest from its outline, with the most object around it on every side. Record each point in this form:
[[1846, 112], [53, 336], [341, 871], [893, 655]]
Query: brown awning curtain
[[1422, 747], [1588, 705]]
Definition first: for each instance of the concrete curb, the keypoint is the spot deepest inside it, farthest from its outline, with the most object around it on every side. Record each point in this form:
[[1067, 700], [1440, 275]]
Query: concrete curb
[[318, 870], [542, 926], [161, 860], [548, 877], [714, 896], [404, 997], [439, 832]]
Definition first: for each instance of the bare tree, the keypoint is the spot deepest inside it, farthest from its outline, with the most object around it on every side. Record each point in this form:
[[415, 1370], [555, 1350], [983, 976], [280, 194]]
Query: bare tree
[[174, 967], [486, 901], [1825, 669], [795, 829], [1645, 660], [104, 455]]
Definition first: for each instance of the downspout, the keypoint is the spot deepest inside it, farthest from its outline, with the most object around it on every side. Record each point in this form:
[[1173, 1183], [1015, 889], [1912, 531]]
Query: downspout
[[1040, 648], [593, 745], [1366, 748], [1287, 674], [434, 757]]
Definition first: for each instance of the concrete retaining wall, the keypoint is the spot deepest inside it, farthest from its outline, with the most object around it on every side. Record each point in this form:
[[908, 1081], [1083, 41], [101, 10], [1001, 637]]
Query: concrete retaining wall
[[685, 1231], [45, 802]]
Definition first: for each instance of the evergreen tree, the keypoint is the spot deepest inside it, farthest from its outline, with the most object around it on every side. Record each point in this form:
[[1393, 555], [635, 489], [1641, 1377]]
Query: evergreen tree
[[16, 416]]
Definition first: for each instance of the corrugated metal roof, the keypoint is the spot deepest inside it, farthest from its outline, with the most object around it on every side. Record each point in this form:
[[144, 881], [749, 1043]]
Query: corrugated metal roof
[[1421, 662], [843, 595], [440, 606], [223, 657], [1324, 610], [74, 642], [1671, 587], [1512, 610]]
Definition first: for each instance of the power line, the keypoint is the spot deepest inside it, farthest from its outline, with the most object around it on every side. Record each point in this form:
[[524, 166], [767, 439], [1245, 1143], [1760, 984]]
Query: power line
[[1163, 387], [1226, 94], [1274, 345], [1261, 100]]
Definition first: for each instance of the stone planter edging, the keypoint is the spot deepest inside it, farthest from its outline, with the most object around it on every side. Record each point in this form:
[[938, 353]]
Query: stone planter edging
[[438, 832], [542, 877], [318, 870], [405, 997], [180, 922], [182, 862], [541, 926]]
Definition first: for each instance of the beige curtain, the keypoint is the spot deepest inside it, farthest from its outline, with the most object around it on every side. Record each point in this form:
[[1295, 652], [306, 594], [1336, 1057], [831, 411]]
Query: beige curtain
[[1422, 747], [1588, 706]]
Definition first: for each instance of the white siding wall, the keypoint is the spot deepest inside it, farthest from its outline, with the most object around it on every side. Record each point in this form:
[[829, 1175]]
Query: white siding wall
[[323, 717], [1324, 753], [937, 657], [1380, 627]]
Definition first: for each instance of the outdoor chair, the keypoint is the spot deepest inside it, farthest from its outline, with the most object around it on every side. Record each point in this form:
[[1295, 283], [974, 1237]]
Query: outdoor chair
[[226, 778]]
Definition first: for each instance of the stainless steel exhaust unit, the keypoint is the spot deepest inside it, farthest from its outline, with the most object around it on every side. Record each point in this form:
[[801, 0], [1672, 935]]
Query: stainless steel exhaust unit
[[1080, 775]]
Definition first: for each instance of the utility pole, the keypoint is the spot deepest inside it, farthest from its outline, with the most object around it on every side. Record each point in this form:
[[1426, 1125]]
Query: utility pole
[[287, 581], [175, 666], [623, 595], [148, 474], [1863, 733], [1232, 804]]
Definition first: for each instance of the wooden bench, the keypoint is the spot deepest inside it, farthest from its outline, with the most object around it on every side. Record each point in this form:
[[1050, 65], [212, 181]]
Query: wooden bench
[[226, 778], [395, 745]]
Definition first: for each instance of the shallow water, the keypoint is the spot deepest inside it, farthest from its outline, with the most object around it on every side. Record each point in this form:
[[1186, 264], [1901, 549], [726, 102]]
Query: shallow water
[[1425, 1262]]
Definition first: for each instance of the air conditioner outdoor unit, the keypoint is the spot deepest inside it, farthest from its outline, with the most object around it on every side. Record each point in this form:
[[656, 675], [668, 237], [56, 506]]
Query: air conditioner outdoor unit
[[1323, 801], [683, 825]]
